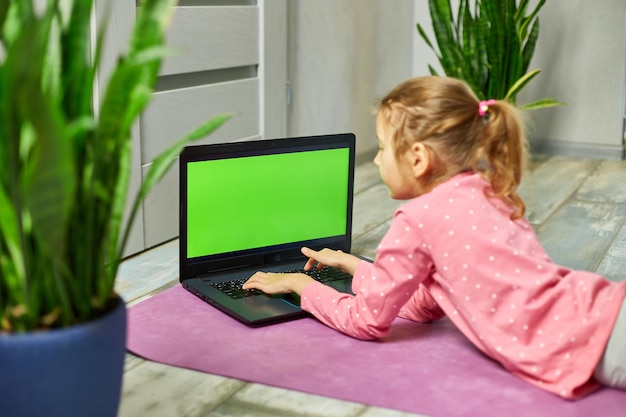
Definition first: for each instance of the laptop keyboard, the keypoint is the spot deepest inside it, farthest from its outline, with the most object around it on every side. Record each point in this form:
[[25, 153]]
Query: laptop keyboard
[[233, 288]]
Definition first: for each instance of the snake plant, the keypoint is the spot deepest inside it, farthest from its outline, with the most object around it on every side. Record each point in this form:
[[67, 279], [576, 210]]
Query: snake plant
[[65, 159], [489, 46]]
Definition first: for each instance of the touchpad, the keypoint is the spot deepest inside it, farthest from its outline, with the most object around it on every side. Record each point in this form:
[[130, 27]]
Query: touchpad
[[291, 298]]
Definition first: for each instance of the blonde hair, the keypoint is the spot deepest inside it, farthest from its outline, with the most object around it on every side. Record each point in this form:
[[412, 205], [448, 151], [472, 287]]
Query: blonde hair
[[442, 113]]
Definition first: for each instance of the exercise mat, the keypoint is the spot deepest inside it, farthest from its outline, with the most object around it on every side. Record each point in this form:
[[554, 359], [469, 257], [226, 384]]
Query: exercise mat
[[429, 369]]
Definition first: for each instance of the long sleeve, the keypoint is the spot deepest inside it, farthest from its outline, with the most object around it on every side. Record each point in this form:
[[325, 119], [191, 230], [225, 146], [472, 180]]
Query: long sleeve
[[421, 307], [381, 288]]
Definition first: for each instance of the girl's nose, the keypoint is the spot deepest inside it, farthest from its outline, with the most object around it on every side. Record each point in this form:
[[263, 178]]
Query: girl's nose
[[377, 159]]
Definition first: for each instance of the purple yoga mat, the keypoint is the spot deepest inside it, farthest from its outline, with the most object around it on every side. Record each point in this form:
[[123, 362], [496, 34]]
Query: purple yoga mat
[[419, 368]]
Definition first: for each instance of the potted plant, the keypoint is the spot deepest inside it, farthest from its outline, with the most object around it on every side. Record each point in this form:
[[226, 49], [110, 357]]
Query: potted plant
[[64, 171], [490, 49]]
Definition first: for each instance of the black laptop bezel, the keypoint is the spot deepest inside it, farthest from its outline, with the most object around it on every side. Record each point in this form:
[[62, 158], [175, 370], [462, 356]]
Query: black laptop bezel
[[267, 256]]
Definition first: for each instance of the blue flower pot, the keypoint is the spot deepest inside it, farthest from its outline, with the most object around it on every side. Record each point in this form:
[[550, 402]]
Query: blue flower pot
[[74, 371]]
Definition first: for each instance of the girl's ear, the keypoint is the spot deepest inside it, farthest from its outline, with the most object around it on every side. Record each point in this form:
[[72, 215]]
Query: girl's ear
[[420, 159]]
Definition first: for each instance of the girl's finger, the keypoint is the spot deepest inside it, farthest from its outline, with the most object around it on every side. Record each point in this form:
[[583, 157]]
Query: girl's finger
[[310, 253]]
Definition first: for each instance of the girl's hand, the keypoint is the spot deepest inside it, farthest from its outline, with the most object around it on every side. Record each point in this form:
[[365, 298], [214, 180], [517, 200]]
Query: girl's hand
[[329, 257], [273, 283]]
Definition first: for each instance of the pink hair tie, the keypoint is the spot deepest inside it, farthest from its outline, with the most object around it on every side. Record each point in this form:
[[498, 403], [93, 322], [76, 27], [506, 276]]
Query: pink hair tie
[[483, 107]]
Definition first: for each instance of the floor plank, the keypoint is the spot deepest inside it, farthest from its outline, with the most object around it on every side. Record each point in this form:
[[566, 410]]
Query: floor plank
[[148, 272], [384, 412], [371, 208], [545, 189], [264, 401], [607, 183], [613, 265], [580, 233], [157, 390], [366, 244]]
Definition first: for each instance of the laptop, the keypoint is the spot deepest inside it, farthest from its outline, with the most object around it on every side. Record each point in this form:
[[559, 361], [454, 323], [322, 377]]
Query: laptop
[[251, 206]]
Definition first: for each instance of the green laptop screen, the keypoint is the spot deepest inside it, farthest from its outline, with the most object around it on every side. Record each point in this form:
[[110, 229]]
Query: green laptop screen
[[243, 203]]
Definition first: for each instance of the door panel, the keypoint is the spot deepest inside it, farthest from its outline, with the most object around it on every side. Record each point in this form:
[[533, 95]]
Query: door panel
[[208, 38], [174, 113], [229, 57]]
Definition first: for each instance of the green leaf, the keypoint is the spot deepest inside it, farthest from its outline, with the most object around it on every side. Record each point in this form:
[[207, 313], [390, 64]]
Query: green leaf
[[4, 10], [115, 220], [536, 10], [15, 14], [77, 74], [529, 47], [99, 44], [424, 36], [51, 180], [519, 84], [52, 63], [433, 71], [442, 19], [452, 58], [13, 268], [48, 179], [521, 10], [542, 104]]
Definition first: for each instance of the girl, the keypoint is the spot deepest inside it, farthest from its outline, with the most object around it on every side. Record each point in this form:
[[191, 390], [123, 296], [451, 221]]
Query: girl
[[461, 247]]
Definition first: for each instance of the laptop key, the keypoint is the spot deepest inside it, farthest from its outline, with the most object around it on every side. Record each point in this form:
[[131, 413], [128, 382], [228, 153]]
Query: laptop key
[[233, 289], [324, 275]]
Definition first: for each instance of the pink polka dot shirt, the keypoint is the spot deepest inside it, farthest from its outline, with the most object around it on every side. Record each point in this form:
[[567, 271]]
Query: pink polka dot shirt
[[455, 252]]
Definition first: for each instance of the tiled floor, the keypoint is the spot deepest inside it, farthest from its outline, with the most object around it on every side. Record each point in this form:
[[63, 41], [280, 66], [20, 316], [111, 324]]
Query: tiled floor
[[577, 206]]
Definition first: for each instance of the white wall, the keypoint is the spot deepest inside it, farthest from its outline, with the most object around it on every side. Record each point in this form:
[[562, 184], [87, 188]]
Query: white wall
[[343, 56], [582, 54], [422, 54]]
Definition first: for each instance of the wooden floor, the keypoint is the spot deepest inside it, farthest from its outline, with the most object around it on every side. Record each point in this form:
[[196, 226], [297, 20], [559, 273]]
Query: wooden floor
[[577, 206]]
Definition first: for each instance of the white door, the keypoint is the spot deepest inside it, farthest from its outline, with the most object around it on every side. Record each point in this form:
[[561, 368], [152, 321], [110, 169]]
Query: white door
[[230, 57]]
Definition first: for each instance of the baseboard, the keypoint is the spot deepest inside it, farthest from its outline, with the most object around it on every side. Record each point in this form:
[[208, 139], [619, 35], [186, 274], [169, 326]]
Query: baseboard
[[583, 150]]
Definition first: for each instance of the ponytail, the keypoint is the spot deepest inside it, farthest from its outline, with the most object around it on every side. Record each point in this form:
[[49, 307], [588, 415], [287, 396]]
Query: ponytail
[[500, 150]]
